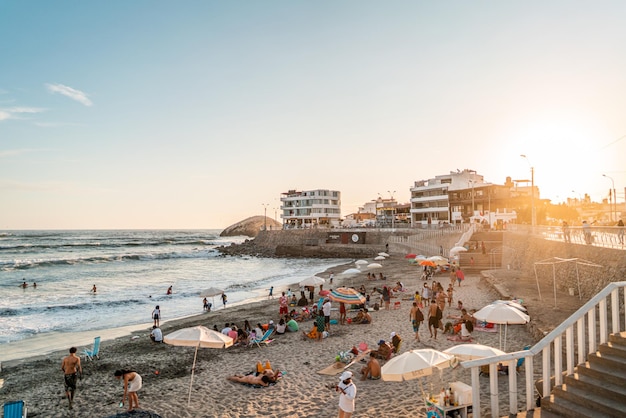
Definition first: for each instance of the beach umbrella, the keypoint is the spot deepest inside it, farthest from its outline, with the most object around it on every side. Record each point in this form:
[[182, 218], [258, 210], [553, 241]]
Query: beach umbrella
[[427, 263], [503, 314], [374, 266], [415, 363], [347, 295], [513, 304], [199, 337], [466, 352], [312, 281], [383, 254], [438, 260], [410, 255], [420, 257], [211, 292], [351, 272], [457, 249], [379, 258], [360, 262]]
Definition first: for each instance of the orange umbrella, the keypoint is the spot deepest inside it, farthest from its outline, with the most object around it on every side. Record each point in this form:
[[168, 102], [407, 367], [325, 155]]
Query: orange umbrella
[[427, 263]]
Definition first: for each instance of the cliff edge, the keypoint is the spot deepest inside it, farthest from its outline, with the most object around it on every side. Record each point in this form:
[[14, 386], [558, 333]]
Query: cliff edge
[[250, 227]]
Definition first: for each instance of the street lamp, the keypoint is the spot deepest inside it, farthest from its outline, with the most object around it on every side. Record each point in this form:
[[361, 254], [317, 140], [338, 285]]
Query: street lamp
[[532, 191], [393, 209], [614, 199], [265, 205]]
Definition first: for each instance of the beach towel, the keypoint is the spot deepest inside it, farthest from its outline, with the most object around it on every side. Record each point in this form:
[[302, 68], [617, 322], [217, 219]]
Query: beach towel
[[333, 369], [489, 328]]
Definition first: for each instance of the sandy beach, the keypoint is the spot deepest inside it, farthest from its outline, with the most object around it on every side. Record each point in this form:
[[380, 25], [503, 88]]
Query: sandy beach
[[302, 391]]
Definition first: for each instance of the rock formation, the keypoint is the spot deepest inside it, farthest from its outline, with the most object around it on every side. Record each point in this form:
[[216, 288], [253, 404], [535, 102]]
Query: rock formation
[[250, 227]]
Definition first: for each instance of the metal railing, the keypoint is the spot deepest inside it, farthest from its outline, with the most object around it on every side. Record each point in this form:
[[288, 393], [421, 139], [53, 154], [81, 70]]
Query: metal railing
[[581, 331], [600, 236], [431, 241]]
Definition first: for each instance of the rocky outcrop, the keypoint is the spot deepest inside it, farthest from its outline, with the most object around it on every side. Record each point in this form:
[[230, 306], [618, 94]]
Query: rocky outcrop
[[250, 227]]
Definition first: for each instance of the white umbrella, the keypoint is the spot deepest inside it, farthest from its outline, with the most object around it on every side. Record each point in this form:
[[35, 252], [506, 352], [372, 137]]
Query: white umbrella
[[513, 304], [439, 260], [312, 281], [420, 257], [413, 364], [360, 262], [466, 352], [197, 337], [374, 266], [379, 258], [457, 249], [211, 292], [351, 272], [501, 313], [383, 254]]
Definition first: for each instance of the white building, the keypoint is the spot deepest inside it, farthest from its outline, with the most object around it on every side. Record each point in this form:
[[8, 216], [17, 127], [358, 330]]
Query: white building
[[311, 208], [430, 202]]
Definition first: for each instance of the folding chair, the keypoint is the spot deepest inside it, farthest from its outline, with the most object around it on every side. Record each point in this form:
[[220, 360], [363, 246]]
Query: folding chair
[[15, 409], [95, 351]]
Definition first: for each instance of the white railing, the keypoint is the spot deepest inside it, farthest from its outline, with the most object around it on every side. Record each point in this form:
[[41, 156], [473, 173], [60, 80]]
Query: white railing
[[600, 313]]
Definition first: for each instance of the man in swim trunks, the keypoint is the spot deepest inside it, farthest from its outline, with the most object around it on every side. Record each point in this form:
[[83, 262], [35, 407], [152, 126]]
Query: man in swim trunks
[[71, 368], [433, 318], [371, 370]]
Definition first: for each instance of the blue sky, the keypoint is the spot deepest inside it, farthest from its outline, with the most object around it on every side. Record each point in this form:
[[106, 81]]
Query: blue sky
[[154, 114]]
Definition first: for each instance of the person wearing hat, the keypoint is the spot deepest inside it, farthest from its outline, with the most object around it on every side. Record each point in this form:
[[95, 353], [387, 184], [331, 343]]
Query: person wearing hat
[[384, 350], [348, 393]]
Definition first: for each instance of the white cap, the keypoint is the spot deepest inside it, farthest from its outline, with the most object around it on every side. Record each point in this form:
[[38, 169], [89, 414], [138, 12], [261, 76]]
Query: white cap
[[271, 322], [345, 375], [393, 334]]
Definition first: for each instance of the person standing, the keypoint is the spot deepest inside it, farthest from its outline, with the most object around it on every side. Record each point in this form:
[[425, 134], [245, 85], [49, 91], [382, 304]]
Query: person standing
[[620, 231], [417, 317], [224, 300], [271, 295], [72, 369], [205, 304], [566, 232], [347, 396], [460, 276], [169, 291], [93, 289], [342, 313], [326, 307], [156, 315], [283, 308], [132, 383], [433, 318], [331, 277]]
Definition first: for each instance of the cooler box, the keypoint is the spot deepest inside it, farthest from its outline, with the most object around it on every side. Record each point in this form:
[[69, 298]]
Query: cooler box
[[462, 392]]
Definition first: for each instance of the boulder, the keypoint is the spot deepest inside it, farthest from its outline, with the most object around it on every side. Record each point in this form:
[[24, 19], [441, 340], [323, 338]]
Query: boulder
[[250, 227]]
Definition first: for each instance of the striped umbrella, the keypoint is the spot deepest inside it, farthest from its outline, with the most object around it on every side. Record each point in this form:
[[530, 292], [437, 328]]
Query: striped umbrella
[[346, 295]]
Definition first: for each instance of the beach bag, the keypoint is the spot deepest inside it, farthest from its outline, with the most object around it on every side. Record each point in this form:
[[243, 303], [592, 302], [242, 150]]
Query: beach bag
[[376, 306], [419, 316]]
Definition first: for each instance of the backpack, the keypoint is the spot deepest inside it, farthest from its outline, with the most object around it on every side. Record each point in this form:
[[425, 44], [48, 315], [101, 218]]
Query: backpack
[[419, 316]]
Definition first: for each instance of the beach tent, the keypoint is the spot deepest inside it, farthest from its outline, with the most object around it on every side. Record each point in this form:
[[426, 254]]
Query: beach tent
[[562, 262], [211, 292], [197, 337]]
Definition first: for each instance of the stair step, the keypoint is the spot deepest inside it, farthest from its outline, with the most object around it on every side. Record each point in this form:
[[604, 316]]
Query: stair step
[[585, 399], [607, 360], [531, 413], [564, 408], [597, 386], [613, 348], [600, 372], [619, 338]]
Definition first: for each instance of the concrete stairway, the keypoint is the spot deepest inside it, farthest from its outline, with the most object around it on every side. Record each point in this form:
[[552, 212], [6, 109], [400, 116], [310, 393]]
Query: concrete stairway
[[596, 389]]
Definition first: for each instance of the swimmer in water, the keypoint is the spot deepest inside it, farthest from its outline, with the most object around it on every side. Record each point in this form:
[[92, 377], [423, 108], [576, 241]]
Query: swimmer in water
[[93, 289]]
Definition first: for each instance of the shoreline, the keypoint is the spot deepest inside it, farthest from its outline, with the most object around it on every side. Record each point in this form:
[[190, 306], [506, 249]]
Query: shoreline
[[38, 382]]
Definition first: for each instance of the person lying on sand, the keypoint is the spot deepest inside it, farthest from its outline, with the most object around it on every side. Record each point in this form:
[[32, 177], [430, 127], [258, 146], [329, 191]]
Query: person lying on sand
[[261, 380]]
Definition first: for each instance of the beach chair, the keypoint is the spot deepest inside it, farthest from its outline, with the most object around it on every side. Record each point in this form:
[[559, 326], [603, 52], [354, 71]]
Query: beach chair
[[15, 409], [264, 339], [95, 351]]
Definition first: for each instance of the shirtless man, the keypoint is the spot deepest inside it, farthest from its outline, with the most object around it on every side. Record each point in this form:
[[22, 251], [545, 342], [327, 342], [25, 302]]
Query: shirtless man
[[417, 317], [251, 379], [371, 370], [71, 368], [433, 319]]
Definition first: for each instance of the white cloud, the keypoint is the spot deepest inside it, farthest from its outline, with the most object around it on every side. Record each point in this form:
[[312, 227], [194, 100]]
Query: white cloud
[[12, 112], [73, 94]]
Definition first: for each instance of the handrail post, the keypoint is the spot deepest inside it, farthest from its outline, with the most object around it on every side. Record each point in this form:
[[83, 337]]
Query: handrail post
[[614, 311], [512, 387], [569, 349], [604, 329], [558, 361], [529, 369], [580, 328], [493, 387], [476, 393], [591, 323], [546, 371]]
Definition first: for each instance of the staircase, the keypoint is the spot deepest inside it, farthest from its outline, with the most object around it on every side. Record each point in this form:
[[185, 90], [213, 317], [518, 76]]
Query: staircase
[[596, 389]]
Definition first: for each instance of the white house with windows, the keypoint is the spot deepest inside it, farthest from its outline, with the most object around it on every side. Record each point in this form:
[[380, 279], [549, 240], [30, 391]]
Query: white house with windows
[[310, 208], [430, 203]]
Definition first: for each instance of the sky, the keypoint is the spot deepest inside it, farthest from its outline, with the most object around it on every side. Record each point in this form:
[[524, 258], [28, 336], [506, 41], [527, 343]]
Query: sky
[[198, 114]]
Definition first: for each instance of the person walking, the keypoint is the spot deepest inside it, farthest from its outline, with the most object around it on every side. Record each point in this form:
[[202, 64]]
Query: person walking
[[271, 295], [156, 316], [417, 317], [620, 231], [72, 370], [347, 396], [224, 300]]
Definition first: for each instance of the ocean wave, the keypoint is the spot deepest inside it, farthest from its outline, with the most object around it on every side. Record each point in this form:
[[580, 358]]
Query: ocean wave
[[30, 264], [100, 245], [59, 309]]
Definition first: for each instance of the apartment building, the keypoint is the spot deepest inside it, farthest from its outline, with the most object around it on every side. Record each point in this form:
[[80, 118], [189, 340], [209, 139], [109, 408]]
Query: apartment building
[[310, 208]]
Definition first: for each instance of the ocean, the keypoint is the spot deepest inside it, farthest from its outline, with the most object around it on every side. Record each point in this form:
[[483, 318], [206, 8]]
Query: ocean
[[132, 270]]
